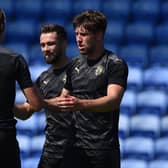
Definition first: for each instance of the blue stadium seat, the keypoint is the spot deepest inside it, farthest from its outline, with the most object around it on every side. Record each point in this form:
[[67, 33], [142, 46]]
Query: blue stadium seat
[[140, 33], [156, 77], [29, 9], [161, 33], [117, 9], [72, 51], [161, 148], [25, 145], [27, 127], [21, 31], [158, 55], [20, 97], [139, 148], [112, 47], [19, 47], [71, 34], [132, 163], [164, 126], [121, 142], [146, 10], [37, 143], [41, 122], [36, 56], [164, 11], [31, 162], [147, 125], [152, 101], [115, 32], [124, 127], [80, 6], [135, 78], [36, 70], [128, 103], [8, 7], [57, 9], [135, 55], [158, 164]]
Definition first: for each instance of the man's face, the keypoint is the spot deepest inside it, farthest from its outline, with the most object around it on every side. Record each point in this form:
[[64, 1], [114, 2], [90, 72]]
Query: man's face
[[86, 41], [51, 47]]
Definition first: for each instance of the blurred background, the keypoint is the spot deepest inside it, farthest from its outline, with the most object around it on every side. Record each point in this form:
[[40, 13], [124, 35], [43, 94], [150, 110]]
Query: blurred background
[[138, 32]]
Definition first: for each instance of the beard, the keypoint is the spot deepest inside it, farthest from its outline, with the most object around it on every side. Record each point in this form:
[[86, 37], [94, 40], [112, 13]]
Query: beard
[[52, 58]]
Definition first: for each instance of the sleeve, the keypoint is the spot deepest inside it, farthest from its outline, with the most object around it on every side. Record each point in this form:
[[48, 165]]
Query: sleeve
[[118, 72], [22, 73]]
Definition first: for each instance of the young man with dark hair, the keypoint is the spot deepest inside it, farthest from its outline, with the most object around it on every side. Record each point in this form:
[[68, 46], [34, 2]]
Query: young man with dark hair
[[96, 82]]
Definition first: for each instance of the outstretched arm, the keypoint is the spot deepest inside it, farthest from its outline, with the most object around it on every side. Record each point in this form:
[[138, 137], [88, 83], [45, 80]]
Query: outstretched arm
[[33, 104]]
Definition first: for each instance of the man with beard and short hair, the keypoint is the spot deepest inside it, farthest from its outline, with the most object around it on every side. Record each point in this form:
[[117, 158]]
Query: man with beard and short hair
[[53, 41]]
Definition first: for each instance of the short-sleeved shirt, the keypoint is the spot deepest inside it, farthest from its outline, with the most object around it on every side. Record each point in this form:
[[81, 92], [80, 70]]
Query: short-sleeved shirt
[[13, 67], [89, 80], [58, 125]]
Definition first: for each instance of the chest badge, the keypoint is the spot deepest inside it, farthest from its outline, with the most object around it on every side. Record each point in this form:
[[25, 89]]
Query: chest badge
[[77, 69], [99, 70]]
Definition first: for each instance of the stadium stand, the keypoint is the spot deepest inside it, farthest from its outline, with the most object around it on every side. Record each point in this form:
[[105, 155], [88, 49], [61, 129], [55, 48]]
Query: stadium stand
[[137, 31]]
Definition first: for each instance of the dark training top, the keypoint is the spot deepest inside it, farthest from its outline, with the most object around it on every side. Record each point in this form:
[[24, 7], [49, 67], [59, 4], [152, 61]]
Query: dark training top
[[13, 67], [58, 127], [88, 79]]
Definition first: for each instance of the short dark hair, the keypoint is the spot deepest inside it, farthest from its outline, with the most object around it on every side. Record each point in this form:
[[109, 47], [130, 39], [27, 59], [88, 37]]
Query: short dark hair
[[91, 20], [60, 30], [2, 20]]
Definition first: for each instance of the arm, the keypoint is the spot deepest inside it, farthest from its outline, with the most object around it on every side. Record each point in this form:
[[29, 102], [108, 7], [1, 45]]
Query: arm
[[108, 103], [25, 110], [53, 103]]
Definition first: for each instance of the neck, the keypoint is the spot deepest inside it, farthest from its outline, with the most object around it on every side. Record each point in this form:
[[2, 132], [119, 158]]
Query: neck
[[61, 63], [97, 53]]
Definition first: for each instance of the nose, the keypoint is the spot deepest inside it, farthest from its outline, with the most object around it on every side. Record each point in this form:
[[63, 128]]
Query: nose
[[45, 48], [78, 38]]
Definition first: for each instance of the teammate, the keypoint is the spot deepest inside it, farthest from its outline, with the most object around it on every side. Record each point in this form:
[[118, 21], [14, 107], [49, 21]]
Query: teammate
[[95, 86], [13, 67], [53, 41]]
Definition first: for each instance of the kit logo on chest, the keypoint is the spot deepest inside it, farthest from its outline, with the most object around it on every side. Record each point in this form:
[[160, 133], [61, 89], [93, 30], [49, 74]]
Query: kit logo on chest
[[99, 70], [77, 70]]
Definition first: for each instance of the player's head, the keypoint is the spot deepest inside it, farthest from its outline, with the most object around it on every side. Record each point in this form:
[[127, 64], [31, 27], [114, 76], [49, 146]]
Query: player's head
[[92, 20], [2, 21], [89, 29], [53, 40]]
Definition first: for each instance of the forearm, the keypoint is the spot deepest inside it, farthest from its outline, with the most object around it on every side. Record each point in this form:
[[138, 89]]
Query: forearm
[[23, 111], [103, 104], [50, 105]]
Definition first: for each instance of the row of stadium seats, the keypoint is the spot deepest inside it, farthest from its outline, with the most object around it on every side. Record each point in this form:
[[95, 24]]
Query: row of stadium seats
[[136, 55], [135, 147], [137, 31], [149, 10]]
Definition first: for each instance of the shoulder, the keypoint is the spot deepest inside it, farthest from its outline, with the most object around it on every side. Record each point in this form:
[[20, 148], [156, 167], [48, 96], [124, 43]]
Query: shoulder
[[112, 57], [8, 52], [115, 61]]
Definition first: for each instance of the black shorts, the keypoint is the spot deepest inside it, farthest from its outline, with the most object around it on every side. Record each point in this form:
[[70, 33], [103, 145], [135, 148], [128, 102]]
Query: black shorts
[[9, 149], [79, 158]]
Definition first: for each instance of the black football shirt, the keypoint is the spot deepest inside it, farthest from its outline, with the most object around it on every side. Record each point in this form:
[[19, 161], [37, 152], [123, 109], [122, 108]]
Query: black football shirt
[[58, 124], [13, 67], [88, 79]]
